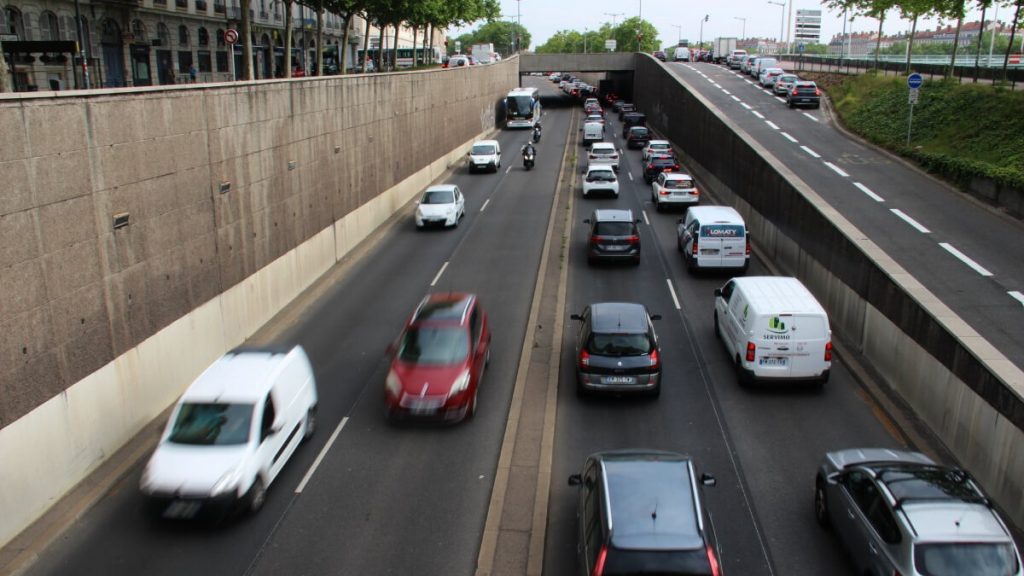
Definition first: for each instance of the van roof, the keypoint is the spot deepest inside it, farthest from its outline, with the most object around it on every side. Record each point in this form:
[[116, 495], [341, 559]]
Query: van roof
[[243, 375], [778, 295], [714, 214]]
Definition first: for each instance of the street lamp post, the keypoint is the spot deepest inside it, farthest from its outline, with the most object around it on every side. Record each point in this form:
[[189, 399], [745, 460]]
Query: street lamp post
[[743, 35], [782, 21], [584, 39], [700, 43], [614, 15], [679, 28], [519, 25]]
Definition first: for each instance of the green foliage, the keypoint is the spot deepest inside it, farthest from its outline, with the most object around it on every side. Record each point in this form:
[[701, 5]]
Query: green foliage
[[501, 33], [960, 131], [631, 35]]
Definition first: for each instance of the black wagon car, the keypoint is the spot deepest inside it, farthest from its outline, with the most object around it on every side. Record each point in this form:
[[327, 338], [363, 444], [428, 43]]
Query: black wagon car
[[804, 93], [614, 236], [617, 350], [637, 136]]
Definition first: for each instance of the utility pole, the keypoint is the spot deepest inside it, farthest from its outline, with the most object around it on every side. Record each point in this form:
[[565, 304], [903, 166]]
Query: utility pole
[[679, 28], [614, 15], [782, 21], [700, 43], [519, 25], [81, 47]]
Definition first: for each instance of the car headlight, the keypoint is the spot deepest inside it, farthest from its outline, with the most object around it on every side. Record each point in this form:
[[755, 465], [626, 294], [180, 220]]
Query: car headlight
[[393, 384], [461, 383], [227, 483]]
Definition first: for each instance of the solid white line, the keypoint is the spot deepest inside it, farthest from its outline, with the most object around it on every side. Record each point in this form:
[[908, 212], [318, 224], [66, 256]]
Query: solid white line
[[811, 117], [837, 169], [734, 97], [726, 91], [772, 124], [673, 292], [630, 174], [868, 191], [758, 114], [963, 258], [911, 221], [439, 272], [790, 138], [646, 221], [320, 456], [484, 207], [1017, 296], [811, 152], [747, 106]]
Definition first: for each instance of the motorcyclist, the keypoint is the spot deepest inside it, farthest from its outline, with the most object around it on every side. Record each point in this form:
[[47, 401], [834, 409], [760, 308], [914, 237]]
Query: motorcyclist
[[536, 132], [528, 149]]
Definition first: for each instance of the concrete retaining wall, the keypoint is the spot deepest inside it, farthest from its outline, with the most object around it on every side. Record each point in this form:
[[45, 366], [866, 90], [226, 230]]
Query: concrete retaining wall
[[968, 393], [101, 329]]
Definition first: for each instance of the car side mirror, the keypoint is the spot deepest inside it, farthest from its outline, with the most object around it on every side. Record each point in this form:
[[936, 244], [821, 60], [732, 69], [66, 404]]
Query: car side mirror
[[655, 316], [834, 477], [708, 480], [576, 317], [575, 480], [718, 292]]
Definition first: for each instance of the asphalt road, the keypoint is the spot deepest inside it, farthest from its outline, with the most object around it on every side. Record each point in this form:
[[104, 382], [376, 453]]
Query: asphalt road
[[413, 499], [966, 253]]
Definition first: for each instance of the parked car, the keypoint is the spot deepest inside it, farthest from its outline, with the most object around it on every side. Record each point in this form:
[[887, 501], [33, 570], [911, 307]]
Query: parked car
[[485, 155], [660, 147], [613, 236], [617, 350], [600, 178], [637, 137], [441, 205], [674, 189], [763, 63], [438, 361], [603, 153], [733, 60], [804, 93], [231, 433], [657, 164], [784, 84], [654, 501], [898, 512], [714, 237]]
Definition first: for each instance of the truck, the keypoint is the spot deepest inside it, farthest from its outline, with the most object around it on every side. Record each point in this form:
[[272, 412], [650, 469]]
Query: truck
[[483, 53], [722, 47]]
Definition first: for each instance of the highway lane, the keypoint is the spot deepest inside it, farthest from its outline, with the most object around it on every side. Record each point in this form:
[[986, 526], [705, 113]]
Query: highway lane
[[762, 445], [965, 253], [384, 499]]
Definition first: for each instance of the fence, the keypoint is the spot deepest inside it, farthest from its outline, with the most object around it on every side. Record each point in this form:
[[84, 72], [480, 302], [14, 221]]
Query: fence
[[931, 66]]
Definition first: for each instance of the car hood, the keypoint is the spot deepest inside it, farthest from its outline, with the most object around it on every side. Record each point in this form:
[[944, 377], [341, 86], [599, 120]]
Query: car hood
[[854, 456], [482, 157], [191, 469], [436, 209], [420, 380]]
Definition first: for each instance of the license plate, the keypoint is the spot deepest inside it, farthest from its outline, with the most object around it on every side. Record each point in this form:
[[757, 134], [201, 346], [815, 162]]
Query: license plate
[[614, 247], [709, 251], [182, 509], [773, 361], [617, 380]]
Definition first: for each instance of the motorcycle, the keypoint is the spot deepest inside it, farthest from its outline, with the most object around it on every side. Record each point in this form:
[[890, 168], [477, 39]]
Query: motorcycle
[[528, 160], [536, 135]]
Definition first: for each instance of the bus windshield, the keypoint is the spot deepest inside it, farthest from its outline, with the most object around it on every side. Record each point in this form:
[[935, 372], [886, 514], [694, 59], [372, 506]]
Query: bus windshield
[[520, 106]]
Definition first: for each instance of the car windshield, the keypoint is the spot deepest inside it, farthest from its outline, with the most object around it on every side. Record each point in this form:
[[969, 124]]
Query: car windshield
[[663, 161], [434, 345], [439, 197], [619, 344], [601, 176], [520, 106], [212, 424], [956, 559], [483, 149], [658, 146]]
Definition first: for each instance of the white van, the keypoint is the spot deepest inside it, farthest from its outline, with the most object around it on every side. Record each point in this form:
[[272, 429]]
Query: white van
[[592, 132], [682, 54], [714, 237], [774, 330], [485, 155], [231, 433]]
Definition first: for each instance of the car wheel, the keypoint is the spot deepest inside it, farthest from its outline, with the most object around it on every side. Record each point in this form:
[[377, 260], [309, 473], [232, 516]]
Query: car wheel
[[580, 390], [310, 428], [257, 496], [820, 504], [790, 104]]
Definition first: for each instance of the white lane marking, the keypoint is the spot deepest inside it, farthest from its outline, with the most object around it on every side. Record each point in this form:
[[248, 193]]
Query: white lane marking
[[646, 221], [811, 152], [484, 207], [320, 456], [917, 225], [726, 91], [868, 191], [734, 97], [837, 169], [780, 99], [963, 258], [717, 85], [1016, 296], [507, 170], [790, 138], [811, 117], [748, 81], [772, 124], [758, 114], [673, 292], [747, 106], [630, 174], [439, 272]]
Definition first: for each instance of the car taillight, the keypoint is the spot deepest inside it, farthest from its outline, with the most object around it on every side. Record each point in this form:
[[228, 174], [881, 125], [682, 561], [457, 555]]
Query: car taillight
[[599, 565], [632, 240], [715, 569], [693, 252], [695, 192], [591, 156], [795, 92], [663, 192], [751, 348], [817, 92], [650, 166], [584, 358], [595, 239], [655, 359], [828, 351], [748, 246], [615, 156]]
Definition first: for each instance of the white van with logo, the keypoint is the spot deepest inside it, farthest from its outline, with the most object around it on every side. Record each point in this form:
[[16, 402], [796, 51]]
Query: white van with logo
[[714, 237], [231, 433], [774, 330], [592, 132]]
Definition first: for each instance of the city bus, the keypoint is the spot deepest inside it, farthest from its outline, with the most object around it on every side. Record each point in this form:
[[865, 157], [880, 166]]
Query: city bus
[[522, 108], [433, 53]]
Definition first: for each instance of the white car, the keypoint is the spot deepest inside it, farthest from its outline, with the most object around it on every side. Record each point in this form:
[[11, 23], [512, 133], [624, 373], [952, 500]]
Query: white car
[[600, 178], [656, 147], [603, 153], [441, 205], [231, 433], [555, 77], [675, 189], [485, 155]]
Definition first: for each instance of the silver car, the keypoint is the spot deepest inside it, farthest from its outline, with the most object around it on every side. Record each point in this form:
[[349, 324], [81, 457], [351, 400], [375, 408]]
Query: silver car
[[784, 84], [898, 512]]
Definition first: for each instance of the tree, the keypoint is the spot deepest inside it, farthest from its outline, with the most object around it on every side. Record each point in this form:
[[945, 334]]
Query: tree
[[1013, 35], [953, 9], [913, 10], [635, 35], [872, 8]]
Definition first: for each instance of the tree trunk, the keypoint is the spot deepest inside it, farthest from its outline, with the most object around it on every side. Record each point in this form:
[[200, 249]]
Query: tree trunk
[[956, 44], [981, 36], [366, 45], [246, 41], [5, 73], [394, 47], [320, 41], [415, 34], [878, 42], [288, 39], [910, 43], [343, 51], [1013, 36], [429, 48]]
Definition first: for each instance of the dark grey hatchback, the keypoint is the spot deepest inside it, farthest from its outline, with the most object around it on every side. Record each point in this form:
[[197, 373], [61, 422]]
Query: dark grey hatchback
[[617, 350], [613, 236], [804, 93], [640, 512]]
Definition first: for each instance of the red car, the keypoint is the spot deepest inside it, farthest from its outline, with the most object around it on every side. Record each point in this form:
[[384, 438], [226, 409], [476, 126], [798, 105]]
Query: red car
[[438, 360]]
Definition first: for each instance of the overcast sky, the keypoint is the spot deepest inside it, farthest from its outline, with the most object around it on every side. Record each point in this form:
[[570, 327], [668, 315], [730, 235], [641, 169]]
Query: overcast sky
[[542, 18]]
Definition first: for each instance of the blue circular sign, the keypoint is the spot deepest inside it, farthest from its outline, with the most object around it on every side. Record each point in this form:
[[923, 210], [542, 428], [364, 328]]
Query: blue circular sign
[[915, 80]]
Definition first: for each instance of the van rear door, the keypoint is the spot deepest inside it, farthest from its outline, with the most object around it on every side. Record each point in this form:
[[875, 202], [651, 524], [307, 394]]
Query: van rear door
[[722, 245], [791, 345]]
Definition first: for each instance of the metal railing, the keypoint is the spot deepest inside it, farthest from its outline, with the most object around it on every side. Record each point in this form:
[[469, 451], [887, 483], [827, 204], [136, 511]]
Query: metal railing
[[933, 67]]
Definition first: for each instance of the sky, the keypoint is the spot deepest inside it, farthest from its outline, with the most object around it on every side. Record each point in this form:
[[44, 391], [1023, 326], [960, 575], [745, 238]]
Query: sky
[[543, 18]]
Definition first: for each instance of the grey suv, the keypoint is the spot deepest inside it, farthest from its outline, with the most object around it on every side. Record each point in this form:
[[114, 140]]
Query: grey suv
[[898, 512], [617, 349], [613, 236], [640, 512]]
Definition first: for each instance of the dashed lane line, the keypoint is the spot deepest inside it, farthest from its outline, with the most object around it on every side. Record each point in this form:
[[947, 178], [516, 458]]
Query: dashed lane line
[[320, 456], [439, 273], [963, 258], [914, 223], [734, 97], [790, 138], [758, 114], [672, 291], [811, 117], [1016, 296], [773, 125], [837, 169], [868, 191], [484, 207], [811, 152], [747, 106]]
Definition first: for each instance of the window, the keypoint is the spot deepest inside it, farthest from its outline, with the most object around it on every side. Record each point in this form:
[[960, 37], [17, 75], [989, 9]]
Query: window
[[49, 29], [870, 502], [181, 3], [163, 34], [183, 35], [220, 38], [139, 30], [218, 6], [268, 418], [222, 61], [15, 24], [205, 64], [203, 36], [212, 424]]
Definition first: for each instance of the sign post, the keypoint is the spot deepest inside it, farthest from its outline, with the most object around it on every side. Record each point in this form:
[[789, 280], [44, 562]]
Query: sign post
[[914, 82], [230, 37], [610, 45]]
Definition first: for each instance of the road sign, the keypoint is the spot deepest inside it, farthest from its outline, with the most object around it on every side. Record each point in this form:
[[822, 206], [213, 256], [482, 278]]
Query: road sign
[[610, 45], [800, 47], [914, 93], [915, 80], [231, 36]]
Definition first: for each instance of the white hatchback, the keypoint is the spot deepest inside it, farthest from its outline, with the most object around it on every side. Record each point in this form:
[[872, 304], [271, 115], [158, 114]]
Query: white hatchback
[[656, 147], [674, 189], [603, 153], [441, 205], [600, 178]]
